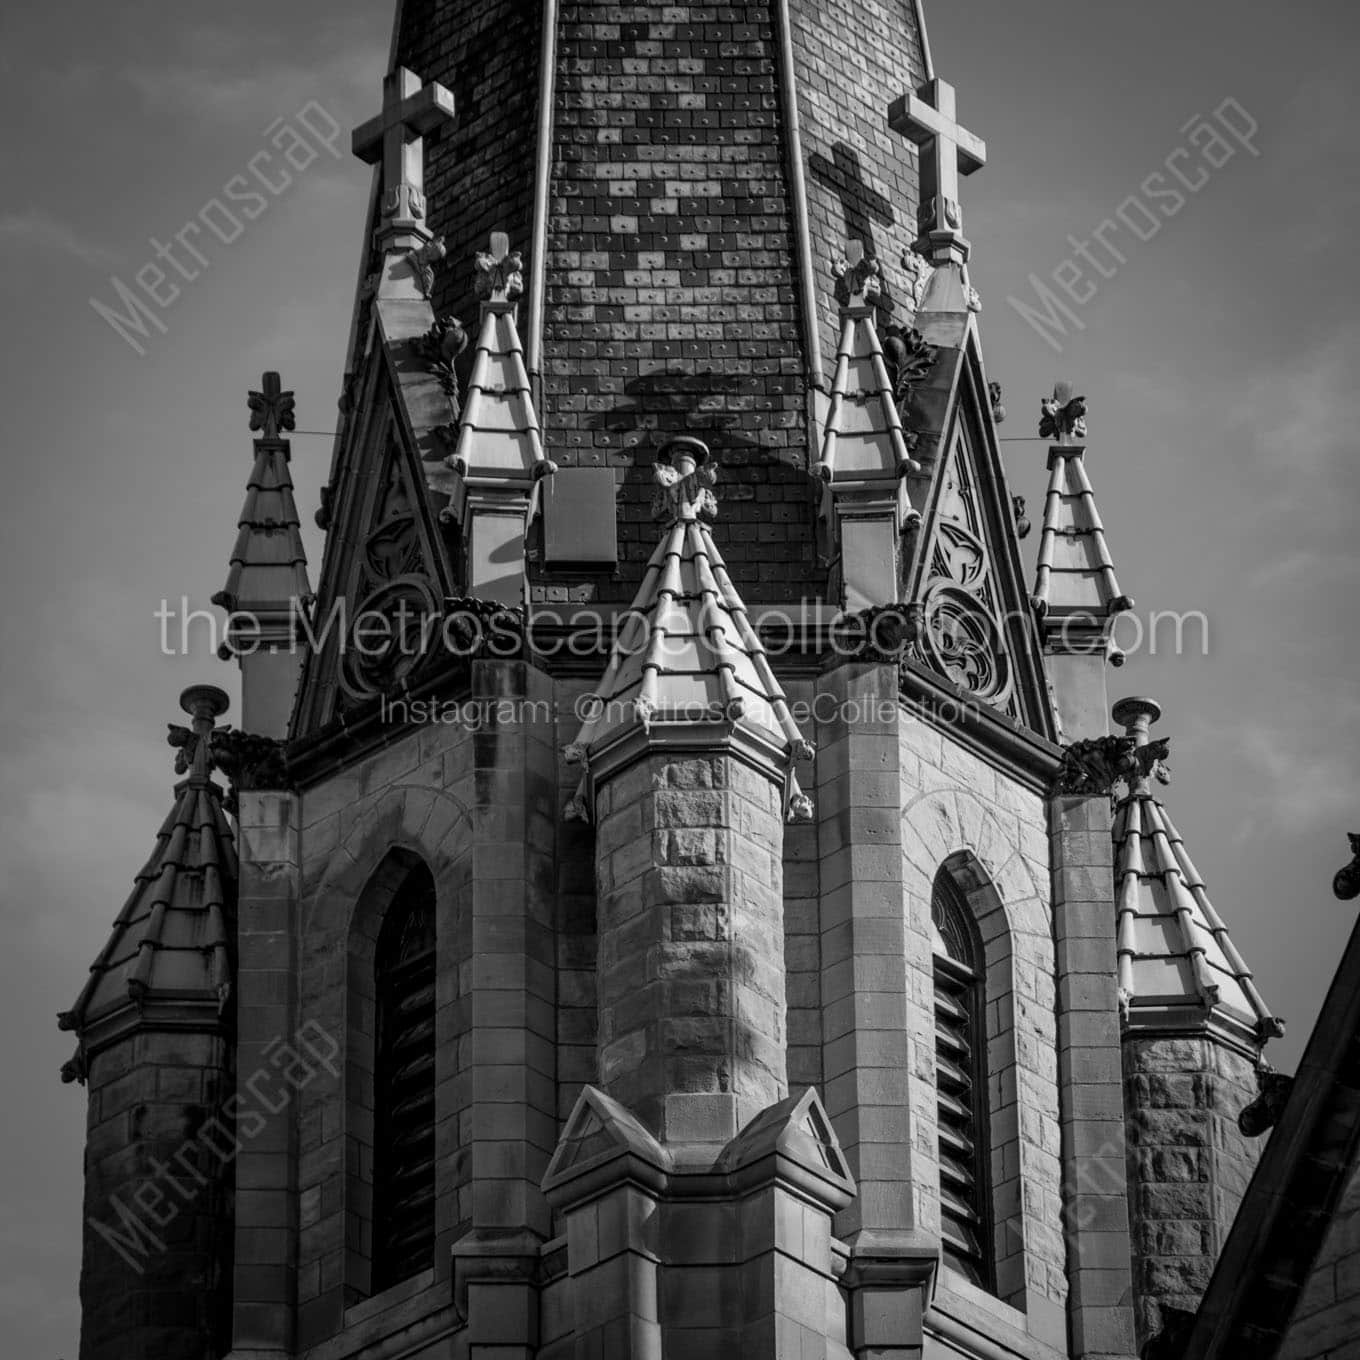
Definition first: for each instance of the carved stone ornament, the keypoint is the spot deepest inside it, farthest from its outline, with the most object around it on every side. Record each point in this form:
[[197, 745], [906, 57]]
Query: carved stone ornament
[[252, 762], [994, 396], [438, 348], [423, 261], [962, 635], [185, 742], [1022, 524], [500, 271], [1346, 884], [1093, 766], [1062, 416], [909, 359], [271, 410], [857, 275], [880, 634], [1264, 1112], [684, 479], [918, 270]]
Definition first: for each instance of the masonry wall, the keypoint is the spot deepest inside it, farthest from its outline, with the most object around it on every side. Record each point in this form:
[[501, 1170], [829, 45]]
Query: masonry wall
[[1326, 1321], [476, 801], [991, 833], [156, 1270], [1188, 1165]]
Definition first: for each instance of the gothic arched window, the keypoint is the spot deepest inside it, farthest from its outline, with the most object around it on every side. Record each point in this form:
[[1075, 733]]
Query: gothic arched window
[[404, 1085], [961, 1085]]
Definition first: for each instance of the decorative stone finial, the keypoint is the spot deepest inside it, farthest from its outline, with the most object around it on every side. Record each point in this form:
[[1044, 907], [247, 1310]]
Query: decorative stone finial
[[1346, 884], [500, 276], [271, 409], [857, 276], [684, 480], [204, 704], [1136, 714], [1062, 416]]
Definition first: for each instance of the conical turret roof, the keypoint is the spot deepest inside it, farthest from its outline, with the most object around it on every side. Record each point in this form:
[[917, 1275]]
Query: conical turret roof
[[173, 943], [686, 655], [1178, 967], [1074, 573], [268, 567], [498, 434]]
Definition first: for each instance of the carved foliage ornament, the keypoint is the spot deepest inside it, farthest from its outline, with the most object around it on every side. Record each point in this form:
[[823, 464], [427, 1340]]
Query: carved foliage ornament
[[1093, 766], [684, 479], [272, 409], [909, 359], [858, 276], [422, 262], [438, 348], [499, 271], [1264, 1112], [1346, 884], [918, 271], [1062, 416]]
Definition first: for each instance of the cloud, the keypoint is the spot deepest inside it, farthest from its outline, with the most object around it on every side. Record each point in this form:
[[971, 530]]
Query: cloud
[[38, 229], [244, 86], [1300, 775]]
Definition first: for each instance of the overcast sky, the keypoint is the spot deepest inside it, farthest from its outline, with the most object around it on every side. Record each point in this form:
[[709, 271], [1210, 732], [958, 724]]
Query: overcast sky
[[1219, 358]]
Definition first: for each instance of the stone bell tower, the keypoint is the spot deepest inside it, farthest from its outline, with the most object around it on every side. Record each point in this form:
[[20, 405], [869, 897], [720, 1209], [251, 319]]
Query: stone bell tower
[[674, 912]]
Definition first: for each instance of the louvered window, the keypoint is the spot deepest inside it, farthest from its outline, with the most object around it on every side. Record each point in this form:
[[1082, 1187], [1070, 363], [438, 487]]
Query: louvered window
[[961, 1084], [403, 1158]]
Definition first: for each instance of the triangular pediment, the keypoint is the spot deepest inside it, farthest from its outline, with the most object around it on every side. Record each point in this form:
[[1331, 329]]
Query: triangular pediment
[[387, 566], [977, 617], [597, 1131]]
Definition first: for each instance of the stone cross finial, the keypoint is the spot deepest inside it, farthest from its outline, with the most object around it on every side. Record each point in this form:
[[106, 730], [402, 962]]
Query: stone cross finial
[[926, 117], [1062, 416], [500, 276], [396, 138], [857, 276], [271, 409]]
